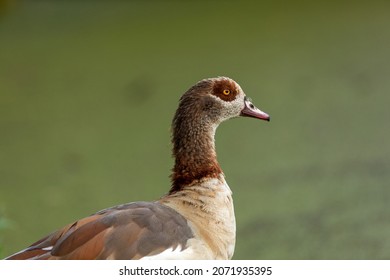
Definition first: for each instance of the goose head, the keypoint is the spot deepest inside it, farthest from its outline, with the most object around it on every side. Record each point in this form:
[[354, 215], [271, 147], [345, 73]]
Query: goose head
[[215, 100]]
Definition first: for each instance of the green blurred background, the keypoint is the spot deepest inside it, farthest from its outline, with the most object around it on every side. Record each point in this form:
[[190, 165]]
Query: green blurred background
[[88, 90]]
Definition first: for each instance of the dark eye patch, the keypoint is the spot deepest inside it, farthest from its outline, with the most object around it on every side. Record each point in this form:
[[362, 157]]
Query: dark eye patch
[[225, 89]]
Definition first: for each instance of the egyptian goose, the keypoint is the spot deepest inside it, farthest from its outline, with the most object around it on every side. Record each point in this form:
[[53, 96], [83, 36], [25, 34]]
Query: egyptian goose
[[194, 220]]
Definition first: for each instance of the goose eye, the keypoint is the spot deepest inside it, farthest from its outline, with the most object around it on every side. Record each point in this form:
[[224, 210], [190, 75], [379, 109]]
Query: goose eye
[[226, 92]]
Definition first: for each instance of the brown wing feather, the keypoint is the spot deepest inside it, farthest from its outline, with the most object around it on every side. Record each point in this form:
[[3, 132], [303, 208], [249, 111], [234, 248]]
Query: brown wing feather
[[80, 234], [128, 231]]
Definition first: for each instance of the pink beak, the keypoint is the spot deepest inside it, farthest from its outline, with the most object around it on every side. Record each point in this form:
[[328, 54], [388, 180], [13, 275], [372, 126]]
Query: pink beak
[[250, 110]]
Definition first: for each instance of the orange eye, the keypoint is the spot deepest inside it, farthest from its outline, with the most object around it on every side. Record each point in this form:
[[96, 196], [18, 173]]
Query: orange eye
[[226, 92]]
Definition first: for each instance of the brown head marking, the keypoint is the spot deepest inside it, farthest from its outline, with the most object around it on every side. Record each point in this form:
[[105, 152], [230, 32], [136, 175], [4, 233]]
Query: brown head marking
[[225, 89]]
